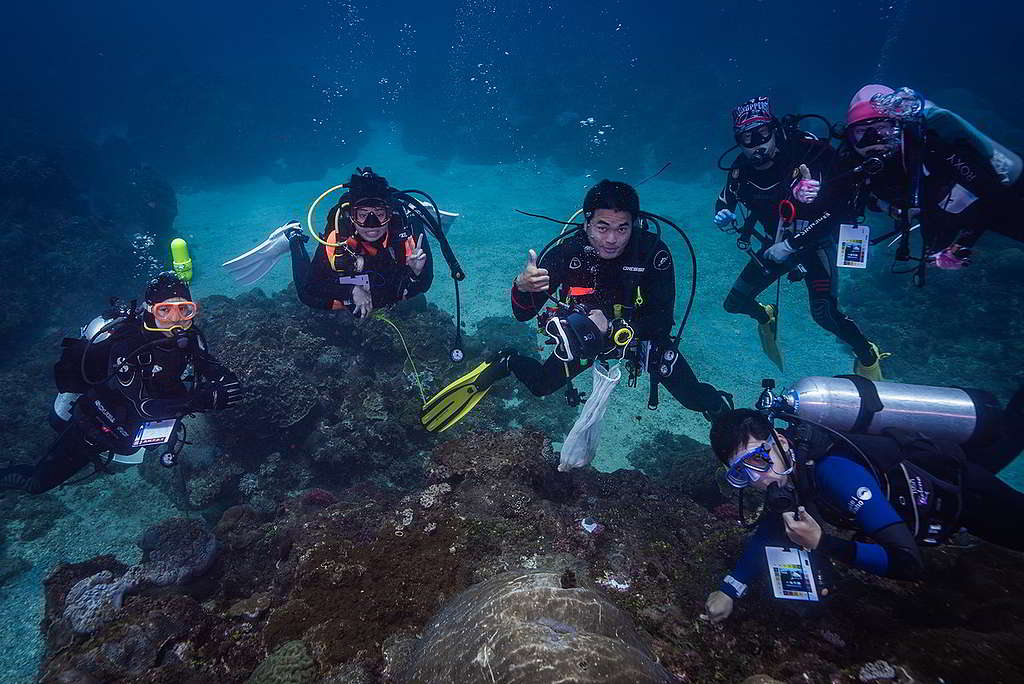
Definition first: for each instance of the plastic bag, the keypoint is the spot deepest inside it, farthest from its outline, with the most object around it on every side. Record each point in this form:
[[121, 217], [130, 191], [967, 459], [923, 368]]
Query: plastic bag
[[580, 445]]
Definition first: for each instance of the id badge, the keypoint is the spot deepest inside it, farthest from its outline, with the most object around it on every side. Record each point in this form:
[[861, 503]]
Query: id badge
[[361, 280], [791, 575], [853, 246], [154, 432]]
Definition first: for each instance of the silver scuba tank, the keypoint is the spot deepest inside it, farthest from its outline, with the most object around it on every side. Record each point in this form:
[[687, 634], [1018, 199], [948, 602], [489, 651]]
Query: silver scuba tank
[[854, 404], [95, 325]]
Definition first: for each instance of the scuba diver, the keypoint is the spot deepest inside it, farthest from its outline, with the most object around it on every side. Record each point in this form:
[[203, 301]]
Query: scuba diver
[[914, 159], [616, 285], [371, 254], [903, 466], [782, 178], [121, 387]]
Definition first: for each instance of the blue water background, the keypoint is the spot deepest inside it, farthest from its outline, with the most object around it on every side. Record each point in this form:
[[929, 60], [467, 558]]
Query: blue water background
[[489, 106]]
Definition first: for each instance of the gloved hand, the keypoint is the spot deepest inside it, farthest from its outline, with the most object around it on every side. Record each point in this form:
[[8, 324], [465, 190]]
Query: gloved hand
[[724, 218], [293, 231], [953, 258], [362, 301], [805, 189], [718, 607], [780, 251], [222, 393]]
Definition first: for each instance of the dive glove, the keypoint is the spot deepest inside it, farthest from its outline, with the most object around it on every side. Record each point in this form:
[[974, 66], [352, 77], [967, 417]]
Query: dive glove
[[222, 393], [724, 218], [780, 251]]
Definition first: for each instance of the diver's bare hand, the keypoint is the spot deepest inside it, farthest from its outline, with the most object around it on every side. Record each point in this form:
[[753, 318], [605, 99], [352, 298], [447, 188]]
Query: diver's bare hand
[[532, 279], [802, 529], [418, 258]]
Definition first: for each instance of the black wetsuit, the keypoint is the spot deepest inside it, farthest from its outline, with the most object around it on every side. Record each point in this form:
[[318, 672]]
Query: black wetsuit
[[813, 235], [969, 182], [846, 493], [579, 275], [140, 388], [390, 280]]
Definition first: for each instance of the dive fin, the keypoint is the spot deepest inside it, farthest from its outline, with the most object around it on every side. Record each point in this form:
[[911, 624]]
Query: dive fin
[[769, 336], [874, 371], [450, 405], [257, 262]]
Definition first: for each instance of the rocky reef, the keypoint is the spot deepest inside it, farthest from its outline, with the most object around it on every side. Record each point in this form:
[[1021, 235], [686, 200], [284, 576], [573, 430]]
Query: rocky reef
[[484, 567]]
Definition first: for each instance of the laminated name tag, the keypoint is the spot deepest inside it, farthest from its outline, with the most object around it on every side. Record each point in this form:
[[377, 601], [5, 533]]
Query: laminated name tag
[[362, 280], [154, 432], [853, 246], [791, 575]]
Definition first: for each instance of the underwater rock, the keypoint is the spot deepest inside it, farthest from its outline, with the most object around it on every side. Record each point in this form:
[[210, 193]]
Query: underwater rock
[[525, 627], [93, 601], [288, 664], [176, 551], [350, 673]]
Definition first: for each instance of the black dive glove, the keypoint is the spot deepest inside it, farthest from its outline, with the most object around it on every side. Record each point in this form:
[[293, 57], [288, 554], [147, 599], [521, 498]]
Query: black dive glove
[[222, 393]]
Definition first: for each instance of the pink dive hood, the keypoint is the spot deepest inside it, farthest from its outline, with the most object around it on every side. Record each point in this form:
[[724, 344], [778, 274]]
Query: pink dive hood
[[861, 108]]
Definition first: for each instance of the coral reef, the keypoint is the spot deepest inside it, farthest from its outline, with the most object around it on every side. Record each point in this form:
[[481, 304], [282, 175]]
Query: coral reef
[[176, 551], [373, 583], [288, 664], [570, 633]]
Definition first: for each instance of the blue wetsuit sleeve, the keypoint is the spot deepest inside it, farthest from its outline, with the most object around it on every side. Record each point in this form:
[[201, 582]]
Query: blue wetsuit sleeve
[[849, 486], [770, 532]]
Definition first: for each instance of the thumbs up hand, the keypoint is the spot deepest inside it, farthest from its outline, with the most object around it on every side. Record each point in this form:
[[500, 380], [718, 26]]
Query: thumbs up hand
[[805, 188], [532, 279]]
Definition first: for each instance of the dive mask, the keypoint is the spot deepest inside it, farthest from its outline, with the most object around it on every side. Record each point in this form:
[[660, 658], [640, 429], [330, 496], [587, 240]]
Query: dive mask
[[875, 133], [747, 467], [186, 311], [371, 213], [755, 137]]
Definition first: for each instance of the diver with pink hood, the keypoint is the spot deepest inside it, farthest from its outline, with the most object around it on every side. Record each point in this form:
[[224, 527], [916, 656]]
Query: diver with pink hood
[[928, 163]]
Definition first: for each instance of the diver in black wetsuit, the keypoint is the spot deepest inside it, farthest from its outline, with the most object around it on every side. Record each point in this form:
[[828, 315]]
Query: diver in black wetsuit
[[782, 178], [935, 165], [375, 253], [616, 286], [127, 374], [900, 490]]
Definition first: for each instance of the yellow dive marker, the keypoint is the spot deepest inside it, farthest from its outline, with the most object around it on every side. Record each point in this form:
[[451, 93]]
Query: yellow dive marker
[[180, 259]]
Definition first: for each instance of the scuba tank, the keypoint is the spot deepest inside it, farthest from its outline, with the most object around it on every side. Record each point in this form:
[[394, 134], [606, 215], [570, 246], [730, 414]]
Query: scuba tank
[[855, 404], [100, 326]]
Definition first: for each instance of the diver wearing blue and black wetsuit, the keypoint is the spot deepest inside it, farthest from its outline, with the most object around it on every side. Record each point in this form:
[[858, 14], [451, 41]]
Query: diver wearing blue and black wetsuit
[[844, 483], [924, 500]]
